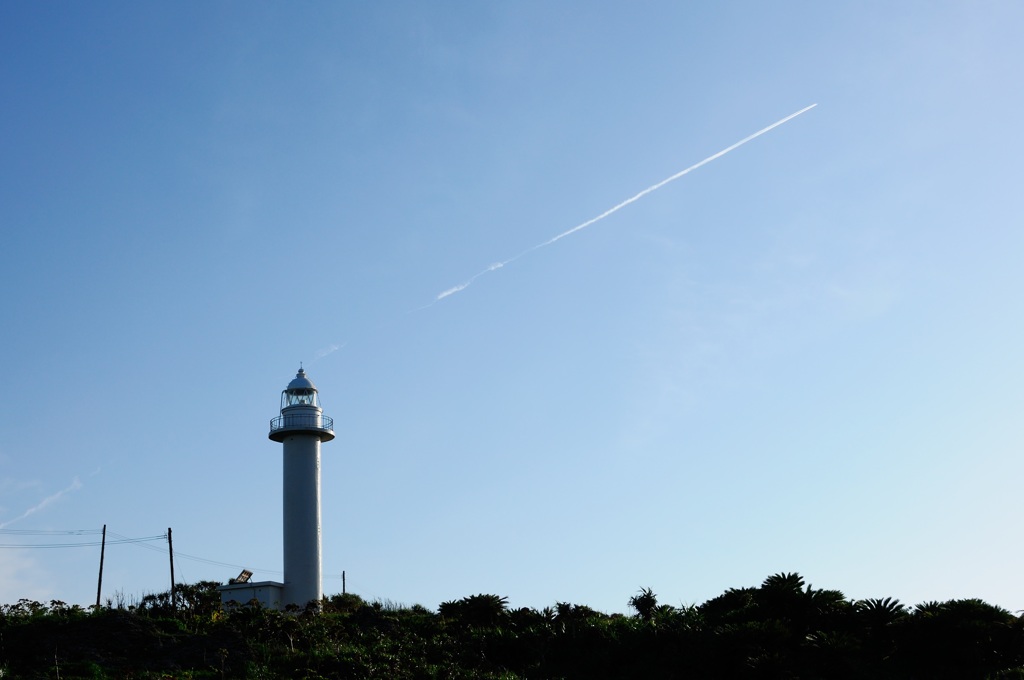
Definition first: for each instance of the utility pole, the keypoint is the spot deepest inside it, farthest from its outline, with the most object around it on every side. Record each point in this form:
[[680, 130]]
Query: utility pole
[[103, 548], [170, 551], [343, 582]]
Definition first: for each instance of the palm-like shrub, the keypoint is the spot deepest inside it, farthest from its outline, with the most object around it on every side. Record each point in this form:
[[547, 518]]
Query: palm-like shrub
[[644, 603], [475, 610]]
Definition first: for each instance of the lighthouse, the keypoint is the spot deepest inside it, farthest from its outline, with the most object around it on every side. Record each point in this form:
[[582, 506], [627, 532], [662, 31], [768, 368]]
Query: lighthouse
[[301, 428]]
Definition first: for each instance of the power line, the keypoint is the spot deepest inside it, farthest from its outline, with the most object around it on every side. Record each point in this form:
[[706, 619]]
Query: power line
[[195, 558], [225, 564], [54, 532], [125, 539], [86, 544], [119, 539]]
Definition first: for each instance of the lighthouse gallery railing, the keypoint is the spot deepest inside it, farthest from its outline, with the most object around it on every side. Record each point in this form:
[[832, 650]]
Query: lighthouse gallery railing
[[298, 421]]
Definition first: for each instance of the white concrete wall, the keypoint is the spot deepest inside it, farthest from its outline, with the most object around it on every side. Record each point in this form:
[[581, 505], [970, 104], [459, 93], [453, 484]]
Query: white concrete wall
[[302, 562], [268, 593]]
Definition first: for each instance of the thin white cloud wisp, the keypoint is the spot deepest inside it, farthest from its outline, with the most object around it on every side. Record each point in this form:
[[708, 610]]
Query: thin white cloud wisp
[[74, 486], [632, 199]]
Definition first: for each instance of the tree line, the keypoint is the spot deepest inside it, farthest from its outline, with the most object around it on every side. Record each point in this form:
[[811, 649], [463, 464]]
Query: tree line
[[781, 629]]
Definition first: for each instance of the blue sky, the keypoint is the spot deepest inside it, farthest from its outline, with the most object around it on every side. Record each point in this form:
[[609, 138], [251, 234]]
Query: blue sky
[[802, 356]]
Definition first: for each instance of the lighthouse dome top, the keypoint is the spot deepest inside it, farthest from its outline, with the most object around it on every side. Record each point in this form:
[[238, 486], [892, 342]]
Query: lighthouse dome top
[[300, 392], [301, 381]]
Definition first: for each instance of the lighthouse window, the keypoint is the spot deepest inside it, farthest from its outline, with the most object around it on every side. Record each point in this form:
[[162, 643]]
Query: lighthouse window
[[301, 397]]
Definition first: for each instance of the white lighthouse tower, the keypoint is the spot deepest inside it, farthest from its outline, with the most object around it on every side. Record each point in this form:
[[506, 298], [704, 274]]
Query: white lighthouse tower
[[301, 427]]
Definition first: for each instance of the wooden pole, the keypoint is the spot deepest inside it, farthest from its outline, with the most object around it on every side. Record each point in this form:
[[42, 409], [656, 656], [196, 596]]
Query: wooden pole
[[103, 548], [343, 582], [170, 551]]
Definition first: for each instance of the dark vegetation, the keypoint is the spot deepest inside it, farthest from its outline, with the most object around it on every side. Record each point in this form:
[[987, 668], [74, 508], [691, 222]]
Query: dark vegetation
[[781, 629]]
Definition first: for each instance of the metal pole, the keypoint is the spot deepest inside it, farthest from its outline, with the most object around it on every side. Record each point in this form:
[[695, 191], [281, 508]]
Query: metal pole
[[103, 548], [170, 551]]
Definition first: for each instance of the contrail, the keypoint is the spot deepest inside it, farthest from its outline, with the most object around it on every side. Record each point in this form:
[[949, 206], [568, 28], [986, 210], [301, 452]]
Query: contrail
[[75, 485], [324, 351], [654, 187], [465, 284]]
